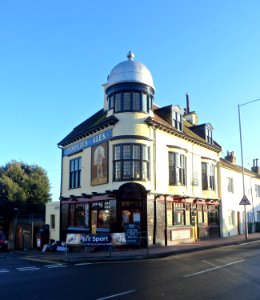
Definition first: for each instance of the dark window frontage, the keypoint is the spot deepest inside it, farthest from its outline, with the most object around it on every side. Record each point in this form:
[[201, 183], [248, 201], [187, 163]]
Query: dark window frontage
[[183, 214], [75, 173], [91, 215], [131, 162], [178, 214], [130, 101], [208, 176], [88, 217], [177, 169]]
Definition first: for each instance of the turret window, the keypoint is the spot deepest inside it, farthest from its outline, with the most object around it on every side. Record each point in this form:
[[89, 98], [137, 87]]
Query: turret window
[[126, 101], [111, 101], [137, 101], [118, 106], [130, 102]]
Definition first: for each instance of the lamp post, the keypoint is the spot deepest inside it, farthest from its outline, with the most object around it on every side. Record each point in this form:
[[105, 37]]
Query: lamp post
[[16, 210], [242, 160]]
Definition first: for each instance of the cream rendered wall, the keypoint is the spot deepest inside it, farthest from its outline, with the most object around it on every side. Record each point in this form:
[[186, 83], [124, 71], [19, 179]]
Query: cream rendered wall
[[160, 142], [53, 208], [255, 200], [166, 142], [128, 124], [230, 202]]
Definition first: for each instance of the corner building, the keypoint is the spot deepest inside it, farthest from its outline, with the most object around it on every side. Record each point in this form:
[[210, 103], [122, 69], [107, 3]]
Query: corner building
[[133, 162]]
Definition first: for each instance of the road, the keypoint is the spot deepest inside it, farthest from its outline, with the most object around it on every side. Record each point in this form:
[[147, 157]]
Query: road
[[225, 273]]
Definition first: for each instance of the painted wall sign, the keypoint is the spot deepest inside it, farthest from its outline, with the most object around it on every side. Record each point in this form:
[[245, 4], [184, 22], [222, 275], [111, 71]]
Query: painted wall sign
[[89, 142]]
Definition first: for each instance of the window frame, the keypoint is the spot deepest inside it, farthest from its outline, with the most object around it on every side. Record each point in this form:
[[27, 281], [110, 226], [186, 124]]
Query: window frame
[[257, 190], [230, 185], [137, 101], [52, 221], [177, 120], [75, 173], [177, 168], [208, 176], [129, 163], [208, 133], [231, 218]]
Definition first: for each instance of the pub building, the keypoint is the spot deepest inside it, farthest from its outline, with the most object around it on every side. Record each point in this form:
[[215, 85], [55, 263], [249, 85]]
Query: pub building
[[134, 162]]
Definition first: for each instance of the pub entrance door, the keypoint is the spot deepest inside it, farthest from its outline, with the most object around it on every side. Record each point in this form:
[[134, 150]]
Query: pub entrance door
[[131, 199], [131, 216]]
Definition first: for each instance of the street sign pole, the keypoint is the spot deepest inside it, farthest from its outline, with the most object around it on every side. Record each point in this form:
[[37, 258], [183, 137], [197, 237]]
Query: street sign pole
[[242, 161], [243, 175]]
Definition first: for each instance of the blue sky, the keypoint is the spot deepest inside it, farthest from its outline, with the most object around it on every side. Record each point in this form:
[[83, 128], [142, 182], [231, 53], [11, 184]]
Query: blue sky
[[55, 56]]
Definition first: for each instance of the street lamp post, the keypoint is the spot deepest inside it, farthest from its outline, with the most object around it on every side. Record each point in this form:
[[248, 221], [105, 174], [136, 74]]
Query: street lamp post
[[16, 210], [242, 160]]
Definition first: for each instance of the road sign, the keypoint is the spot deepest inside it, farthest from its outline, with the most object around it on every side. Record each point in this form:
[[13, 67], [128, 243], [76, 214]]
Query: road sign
[[244, 201]]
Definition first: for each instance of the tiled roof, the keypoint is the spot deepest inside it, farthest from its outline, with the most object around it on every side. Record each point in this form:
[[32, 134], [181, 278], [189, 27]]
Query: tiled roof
[[96, 122], [100, 121], [187, 133], [228, 165]]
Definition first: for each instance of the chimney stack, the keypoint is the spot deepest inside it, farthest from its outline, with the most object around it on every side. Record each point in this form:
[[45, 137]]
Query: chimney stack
[[255, 167], [231, 157], [187, 104], [189, 116]]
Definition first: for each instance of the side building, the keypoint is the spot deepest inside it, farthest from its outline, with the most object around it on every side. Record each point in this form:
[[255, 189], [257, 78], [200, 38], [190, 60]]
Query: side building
[[231, 187], [52, 218], [133, 162]]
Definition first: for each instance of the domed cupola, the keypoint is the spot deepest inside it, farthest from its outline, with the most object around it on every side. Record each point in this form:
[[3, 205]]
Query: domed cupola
[[130, 87]]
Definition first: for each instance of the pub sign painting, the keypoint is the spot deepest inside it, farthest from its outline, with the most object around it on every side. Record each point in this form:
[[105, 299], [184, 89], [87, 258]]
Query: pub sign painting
[[99, 164]]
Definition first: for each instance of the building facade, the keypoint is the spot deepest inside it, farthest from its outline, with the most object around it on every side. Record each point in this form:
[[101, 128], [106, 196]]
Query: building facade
[[52, 218], [231, 193], [136, 163]]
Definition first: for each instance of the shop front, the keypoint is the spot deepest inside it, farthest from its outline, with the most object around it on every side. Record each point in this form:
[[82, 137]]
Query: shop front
[[109, 213], [174, 220]]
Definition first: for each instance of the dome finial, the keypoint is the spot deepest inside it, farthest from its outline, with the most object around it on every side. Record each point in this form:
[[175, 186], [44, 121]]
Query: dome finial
[[130, 55]]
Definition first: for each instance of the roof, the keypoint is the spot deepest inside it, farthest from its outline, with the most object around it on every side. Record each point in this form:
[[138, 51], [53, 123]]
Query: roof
[[130, 71], [187, 133], [96, 122], [228, 165]]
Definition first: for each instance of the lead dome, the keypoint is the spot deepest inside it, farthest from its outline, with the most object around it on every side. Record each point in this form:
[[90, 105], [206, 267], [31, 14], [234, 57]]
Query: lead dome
[[130, 71]]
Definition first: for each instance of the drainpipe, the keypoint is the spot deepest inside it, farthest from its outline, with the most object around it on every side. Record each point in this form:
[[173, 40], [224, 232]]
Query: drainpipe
[[154, 220], [154, 159], [165, 220], [61, 188]]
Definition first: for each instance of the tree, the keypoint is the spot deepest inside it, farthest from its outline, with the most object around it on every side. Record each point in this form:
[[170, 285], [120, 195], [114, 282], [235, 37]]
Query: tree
[[22, 186]]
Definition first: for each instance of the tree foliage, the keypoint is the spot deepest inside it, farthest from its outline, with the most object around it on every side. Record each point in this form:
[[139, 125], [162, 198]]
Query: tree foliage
[[23, 186]]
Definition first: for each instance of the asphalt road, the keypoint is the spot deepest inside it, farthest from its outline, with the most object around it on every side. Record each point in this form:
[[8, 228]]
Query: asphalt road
[[225, 273]]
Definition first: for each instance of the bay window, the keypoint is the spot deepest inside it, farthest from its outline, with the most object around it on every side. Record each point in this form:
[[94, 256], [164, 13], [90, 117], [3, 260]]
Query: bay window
[[131, 162]]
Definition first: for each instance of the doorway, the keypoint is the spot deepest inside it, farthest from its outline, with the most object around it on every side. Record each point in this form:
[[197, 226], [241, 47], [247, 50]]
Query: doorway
[[130, 216], [238, 223]]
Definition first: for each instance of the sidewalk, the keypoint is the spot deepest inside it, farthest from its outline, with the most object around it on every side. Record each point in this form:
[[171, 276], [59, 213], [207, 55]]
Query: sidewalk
[[122, 255]]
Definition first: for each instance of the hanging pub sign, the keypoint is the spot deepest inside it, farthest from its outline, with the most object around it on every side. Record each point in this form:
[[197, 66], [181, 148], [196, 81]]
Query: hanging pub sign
[[132, 234]]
